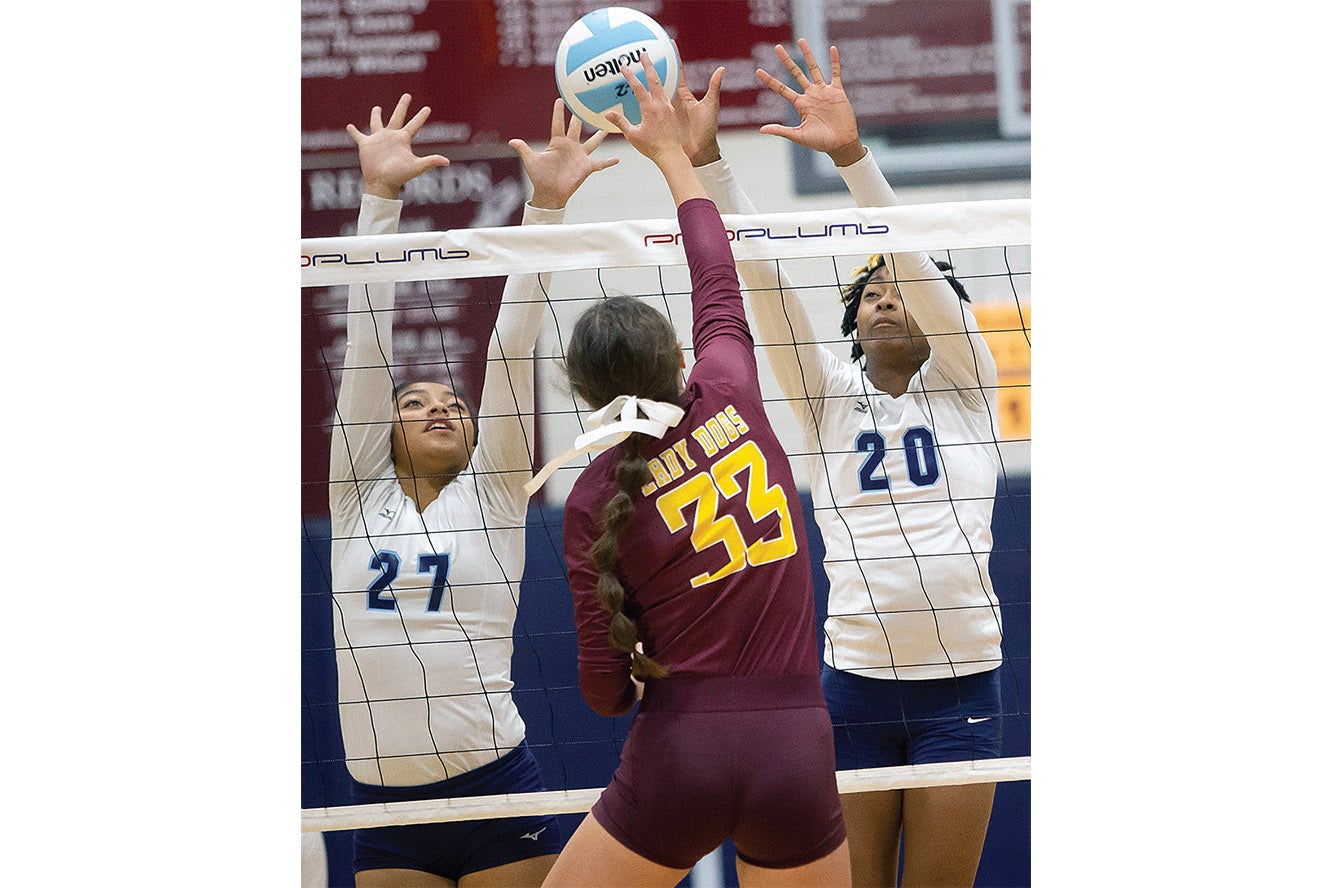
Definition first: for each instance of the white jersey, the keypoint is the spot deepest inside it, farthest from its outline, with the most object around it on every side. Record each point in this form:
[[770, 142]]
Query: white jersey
[[424, 603], [904, 487]]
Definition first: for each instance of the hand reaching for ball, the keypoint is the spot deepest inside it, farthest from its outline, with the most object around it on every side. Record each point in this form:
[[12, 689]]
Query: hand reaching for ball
[[659, 136], [387, 159]]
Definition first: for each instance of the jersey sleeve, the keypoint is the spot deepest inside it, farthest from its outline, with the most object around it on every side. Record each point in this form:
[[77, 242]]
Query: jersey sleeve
[[506, 428], [360, 451], [785, 332], [958, 352], [722, 340], [604, 674]]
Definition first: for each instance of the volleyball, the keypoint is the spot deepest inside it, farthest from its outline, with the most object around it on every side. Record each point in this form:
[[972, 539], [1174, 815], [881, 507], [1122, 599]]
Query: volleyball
[[596, 49]]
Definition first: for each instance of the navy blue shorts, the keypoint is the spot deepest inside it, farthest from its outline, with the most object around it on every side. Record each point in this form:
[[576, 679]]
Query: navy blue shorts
[[880, 723], [453, 850], [744, 757]]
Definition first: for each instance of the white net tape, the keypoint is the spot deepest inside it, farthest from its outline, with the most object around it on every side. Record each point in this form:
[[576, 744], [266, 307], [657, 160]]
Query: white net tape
[[577, 801], [487, 252]]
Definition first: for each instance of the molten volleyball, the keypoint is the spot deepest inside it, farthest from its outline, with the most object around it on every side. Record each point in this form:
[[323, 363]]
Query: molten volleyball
[[596, 50]]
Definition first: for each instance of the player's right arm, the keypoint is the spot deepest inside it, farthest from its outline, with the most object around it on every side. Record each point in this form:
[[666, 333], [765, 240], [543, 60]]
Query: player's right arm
[[504, 453], [362, 422], [662, 137]]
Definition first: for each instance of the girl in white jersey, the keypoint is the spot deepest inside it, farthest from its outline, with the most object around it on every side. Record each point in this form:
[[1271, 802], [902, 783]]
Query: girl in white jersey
[[904, 465], [428, 551]]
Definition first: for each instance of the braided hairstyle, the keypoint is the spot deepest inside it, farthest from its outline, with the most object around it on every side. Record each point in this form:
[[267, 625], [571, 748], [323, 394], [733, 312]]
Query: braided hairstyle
[[622, 346], [860, 277]]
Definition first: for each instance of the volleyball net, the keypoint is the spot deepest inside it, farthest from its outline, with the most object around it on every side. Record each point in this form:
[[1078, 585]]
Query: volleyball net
[[448, 286]]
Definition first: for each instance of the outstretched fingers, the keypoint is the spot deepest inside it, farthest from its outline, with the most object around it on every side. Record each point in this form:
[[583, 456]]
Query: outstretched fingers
[[524, 150], [811, 63], [651, 77], [593, 141], [639, 91], [777, 129], [376, 121], [418, 120], [431, 161], [602, 163], [715, 84], [575, 128], [388, 161], [775, 85], [556, 119], [617, 120], [400, 112], [796, 73], [683, 88], [646, 96]]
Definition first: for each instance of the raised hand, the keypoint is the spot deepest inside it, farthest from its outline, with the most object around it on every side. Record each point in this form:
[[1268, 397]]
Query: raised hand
[[387, 160], [698, 117], [827, 121], [564, 164], [660, 134]]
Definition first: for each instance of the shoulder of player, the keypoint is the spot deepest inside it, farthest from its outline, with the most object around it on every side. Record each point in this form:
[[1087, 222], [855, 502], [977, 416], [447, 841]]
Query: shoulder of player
[[593, 483], [364, 499], [936, 386], [841, 376]]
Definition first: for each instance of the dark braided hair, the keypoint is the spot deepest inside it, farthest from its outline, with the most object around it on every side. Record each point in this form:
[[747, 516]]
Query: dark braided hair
[[622, 346], [860, 277]]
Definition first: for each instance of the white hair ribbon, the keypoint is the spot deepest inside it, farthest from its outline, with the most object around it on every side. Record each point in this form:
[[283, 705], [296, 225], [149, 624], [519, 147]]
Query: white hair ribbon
[[656, 418]]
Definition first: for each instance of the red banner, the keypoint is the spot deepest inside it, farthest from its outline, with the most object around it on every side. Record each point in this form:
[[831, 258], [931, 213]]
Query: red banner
[[925, 61], [487, 67]]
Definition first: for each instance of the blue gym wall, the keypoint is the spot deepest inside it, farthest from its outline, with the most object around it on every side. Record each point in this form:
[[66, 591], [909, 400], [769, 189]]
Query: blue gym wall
[[578, 749]]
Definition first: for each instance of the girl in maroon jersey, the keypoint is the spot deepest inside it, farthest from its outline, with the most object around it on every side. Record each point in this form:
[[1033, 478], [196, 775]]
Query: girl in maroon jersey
[[712, 617]]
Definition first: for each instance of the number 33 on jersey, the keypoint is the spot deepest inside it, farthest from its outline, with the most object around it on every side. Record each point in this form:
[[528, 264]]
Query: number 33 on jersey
[[706, 488]]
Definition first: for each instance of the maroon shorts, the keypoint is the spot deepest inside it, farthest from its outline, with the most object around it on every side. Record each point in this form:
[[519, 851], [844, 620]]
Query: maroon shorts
[[745, 757]]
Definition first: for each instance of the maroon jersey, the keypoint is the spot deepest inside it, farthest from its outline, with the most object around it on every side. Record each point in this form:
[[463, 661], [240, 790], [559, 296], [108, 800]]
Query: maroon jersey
[[715, 561]]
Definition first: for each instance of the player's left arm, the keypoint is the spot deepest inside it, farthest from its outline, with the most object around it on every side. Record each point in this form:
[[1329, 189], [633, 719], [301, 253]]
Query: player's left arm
[[958, 351], [604, 673], [505, 449], [828, 124]]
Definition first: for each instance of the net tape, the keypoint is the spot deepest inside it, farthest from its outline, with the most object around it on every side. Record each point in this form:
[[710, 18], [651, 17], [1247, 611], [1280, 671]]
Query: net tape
[[489, 252], [577, 801]]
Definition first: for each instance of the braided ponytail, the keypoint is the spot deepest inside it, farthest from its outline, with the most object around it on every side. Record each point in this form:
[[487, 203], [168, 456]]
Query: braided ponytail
[[619, 346], [631, 473]]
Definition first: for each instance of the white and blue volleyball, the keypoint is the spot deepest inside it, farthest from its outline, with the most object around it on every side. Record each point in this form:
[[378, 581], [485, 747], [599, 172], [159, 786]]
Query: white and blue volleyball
[[594, 52]]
